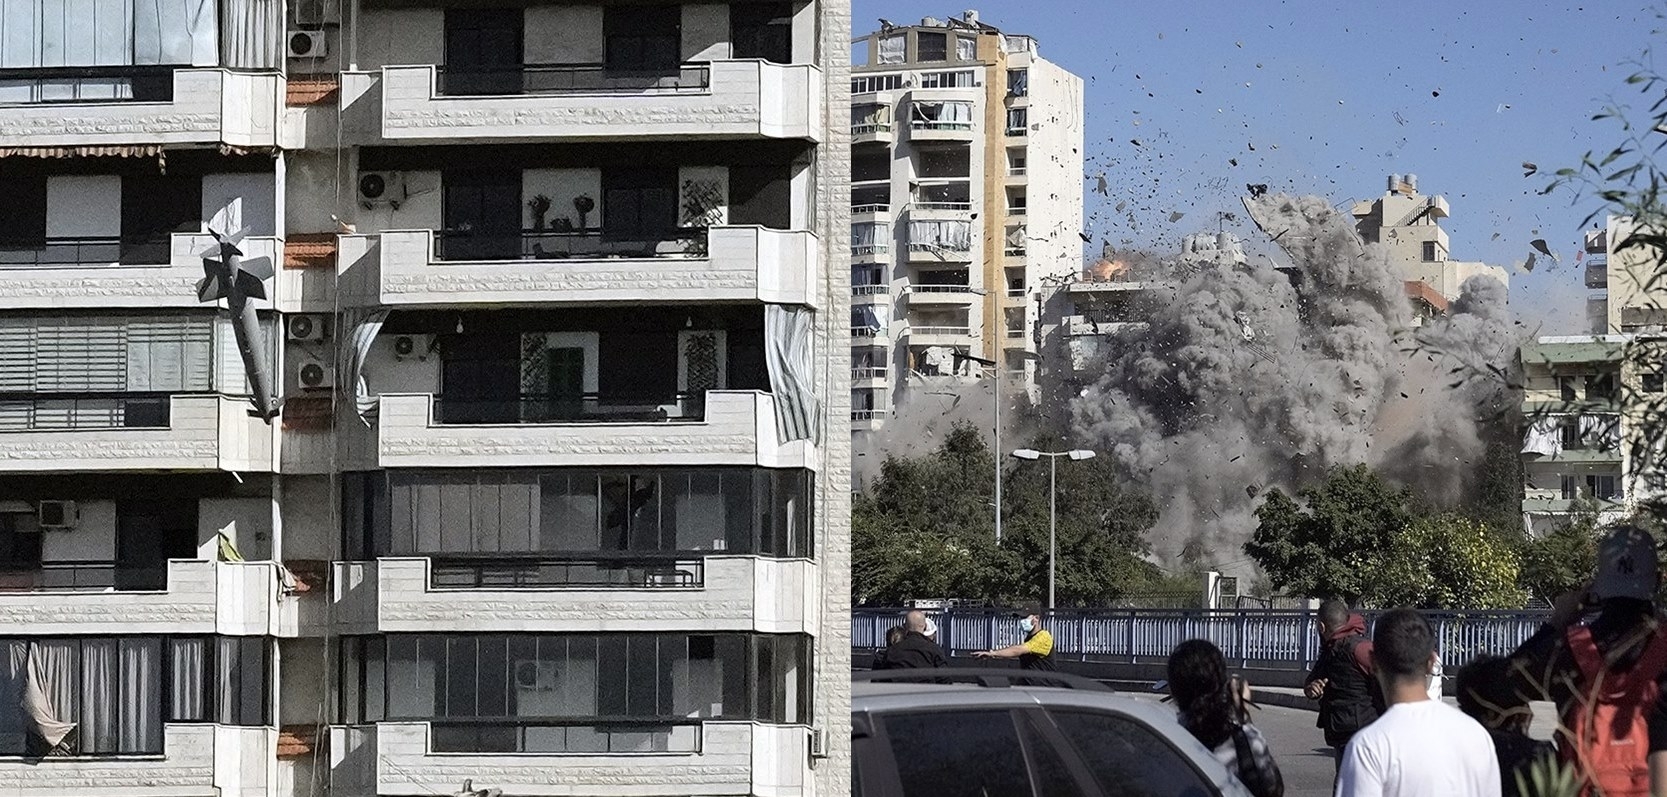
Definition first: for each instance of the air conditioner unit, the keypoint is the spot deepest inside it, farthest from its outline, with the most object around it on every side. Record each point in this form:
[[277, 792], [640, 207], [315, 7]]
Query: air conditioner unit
[[58, 515], [536, 676], [307, 44], [314, 375], [305, 328], [418, 346], [818, 743], [381, 188]]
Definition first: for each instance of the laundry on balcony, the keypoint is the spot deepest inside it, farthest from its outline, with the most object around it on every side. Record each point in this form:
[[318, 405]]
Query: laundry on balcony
[[940, 237], [1543, 437], [927, 115]]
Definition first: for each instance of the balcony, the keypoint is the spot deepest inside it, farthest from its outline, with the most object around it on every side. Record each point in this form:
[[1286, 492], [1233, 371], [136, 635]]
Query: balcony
[[723, 427], [716, 100], [1597, 272], [718, 264], [196, 760], [196, 597], [674, 756], [131, 431], [871, 253], [939, 335], [1552, 502], [870, 336], [942, 294], [138, 106], [110, 272], [945, 119], [597, 591], [872, 212], [870, 376]]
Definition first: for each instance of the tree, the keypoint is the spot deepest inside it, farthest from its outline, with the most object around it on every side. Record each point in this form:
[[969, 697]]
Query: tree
[[1565, 559], [1337, 541], [1455, 563]]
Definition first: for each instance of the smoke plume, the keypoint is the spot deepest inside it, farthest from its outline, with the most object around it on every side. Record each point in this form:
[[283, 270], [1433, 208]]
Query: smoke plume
[[1250, 377]]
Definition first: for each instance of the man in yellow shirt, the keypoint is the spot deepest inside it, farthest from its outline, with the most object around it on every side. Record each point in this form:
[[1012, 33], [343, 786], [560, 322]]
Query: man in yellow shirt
[[1035, 653]]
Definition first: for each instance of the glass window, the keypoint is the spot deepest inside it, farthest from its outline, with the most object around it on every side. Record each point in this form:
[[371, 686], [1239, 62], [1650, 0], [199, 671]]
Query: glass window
[[1053, 776], [1018, 120], [959, 754], [931, 47], [1654, 382], [642, 38], [1018, 82], [1129, 758]]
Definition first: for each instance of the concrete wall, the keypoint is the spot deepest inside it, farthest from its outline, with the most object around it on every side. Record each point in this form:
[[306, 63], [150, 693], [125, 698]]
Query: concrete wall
[[208, 433], [210, 106]]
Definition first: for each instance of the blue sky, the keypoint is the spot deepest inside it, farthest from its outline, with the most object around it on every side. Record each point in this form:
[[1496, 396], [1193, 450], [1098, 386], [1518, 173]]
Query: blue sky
[[1339, 96]]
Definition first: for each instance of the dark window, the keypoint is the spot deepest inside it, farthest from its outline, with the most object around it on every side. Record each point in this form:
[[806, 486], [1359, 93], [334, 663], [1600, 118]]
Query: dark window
[[1430, 251], [1569, 430], [1570, 486], [1600, 387], [761, 195], [483, 51], [1604, 487], [1047, 764], [153, 208], [643, 38], [959, 754], [23, 212], [20, 548], [1566, 386], [1653, 383], [639, 205], [930, 47], [1128, 758], [148, 534], [762, 30], [1018, 82], [1018, 121], [480, 380], [481, 212]]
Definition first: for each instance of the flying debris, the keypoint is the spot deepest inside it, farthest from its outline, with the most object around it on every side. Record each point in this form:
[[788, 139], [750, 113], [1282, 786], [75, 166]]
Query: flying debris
[[1176, 216], [1244, 326], [1528, 169], [1528, 265], [236, 280], [1100, 185], [1257, 190]]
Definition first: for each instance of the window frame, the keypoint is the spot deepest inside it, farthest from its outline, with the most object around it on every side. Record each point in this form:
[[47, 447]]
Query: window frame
[[941, 38]]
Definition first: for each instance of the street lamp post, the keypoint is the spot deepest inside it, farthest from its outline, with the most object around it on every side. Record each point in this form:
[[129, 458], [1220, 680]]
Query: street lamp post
[[1076, 454]]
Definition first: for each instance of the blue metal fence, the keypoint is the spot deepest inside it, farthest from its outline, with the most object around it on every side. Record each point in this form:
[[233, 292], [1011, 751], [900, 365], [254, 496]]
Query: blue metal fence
[[1270, 638]]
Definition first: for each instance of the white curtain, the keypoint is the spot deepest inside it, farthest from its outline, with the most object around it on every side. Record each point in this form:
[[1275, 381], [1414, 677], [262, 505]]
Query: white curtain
[[254, 32], [100, 696], [1544, 437], [788, 333], [926, 111], [966, 49], [891, 49], [141, 706], [955, 235], [50, 692], [176, 32], [185, 667], [956, 112], [1601, 431], [365, 325], [869, 234]]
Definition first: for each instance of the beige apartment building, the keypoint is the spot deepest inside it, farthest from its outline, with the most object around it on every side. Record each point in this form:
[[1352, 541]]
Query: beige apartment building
[[1408, 225], [967, 204], [554, 299]]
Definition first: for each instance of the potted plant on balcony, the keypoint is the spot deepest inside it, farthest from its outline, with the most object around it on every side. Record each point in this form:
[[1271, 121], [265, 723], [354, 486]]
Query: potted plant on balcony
[[539, 206]]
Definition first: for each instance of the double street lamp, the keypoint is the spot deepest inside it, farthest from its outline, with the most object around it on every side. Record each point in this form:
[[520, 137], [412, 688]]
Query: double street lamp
[[1076, 454]]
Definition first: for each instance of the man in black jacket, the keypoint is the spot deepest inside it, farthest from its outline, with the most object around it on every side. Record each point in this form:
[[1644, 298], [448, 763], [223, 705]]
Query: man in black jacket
[[914, 650], [1343, 677]]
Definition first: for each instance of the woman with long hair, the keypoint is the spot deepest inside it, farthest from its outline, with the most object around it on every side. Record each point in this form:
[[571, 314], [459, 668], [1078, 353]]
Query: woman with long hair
[[1212, 709]]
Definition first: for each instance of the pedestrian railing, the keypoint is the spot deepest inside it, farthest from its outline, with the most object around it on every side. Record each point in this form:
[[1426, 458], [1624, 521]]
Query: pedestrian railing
[[1270, 638]]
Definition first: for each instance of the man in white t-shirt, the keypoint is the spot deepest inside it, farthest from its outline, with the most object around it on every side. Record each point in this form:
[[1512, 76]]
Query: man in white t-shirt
[[1419, 746]]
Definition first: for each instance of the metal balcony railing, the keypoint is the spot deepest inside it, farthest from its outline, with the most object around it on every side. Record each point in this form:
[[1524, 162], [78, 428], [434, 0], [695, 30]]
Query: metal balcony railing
[[918, 288], [88, 410], [864, 415], [588, 735], [870, 290], [571, 79], [870, 127], [598, 570], [934, 330], [68, 85], [574, 408], [871, 208], [474, 246], [83, 576], [929, 205], [869, 372]]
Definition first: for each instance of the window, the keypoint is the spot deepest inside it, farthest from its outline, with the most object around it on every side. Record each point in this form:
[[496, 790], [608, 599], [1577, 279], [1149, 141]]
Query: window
[[154, 207], [564, 514], [872, 83], [1602, 487], [1015, 202], [483, 51], [642, 38], [930, 115], [1127, 757], [20, 544], [1600, 387], [1016, 161], [639, 205], [1018, 120], [113, 692], [1567, 388], [23, 213], [762, 30], [1654, 382], [959, 752], [966, 48], [1018, 82], [1569, 487], [571, 693], [948, 80], [931, 47]]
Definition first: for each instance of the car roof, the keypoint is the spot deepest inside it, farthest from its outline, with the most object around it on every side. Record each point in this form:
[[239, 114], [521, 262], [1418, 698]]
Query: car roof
[[886, 697]]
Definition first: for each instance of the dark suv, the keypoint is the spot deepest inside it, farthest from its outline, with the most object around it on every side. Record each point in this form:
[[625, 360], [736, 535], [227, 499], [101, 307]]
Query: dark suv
[[1007, 733]]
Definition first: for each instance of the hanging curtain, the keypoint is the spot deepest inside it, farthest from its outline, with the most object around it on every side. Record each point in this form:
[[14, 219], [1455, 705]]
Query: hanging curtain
[[100, 696], [176, 32], [366, 324], [254, 32], [50, 692], [927, 112], [891, 49], [141, 706], [788, 332], [1544, 437], [185, 676], [956, 112], [966, 49]]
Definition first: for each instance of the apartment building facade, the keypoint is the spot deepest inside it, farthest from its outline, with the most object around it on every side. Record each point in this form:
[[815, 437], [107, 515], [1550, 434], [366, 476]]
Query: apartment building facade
[[1408, 225], [554, 300], [967, 205]]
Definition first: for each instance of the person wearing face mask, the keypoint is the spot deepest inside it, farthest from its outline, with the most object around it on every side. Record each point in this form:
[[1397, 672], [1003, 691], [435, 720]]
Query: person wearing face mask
[[1035, 653]]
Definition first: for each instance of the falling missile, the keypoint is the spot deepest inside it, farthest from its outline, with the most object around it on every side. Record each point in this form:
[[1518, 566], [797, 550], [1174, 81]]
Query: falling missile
[[236, 280]]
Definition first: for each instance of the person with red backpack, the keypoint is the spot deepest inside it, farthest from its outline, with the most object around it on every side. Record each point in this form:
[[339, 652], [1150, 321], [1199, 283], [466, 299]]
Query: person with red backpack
[[1343, 677], [1601, 657]]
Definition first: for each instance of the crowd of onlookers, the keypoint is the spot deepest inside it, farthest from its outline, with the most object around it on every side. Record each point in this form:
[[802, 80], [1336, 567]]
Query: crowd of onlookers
[[1600, 658]]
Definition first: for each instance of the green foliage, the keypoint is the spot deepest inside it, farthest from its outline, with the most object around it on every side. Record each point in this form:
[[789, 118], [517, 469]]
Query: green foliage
[[925, 528], [1564, 559], [1356, 537], [1549, 777]]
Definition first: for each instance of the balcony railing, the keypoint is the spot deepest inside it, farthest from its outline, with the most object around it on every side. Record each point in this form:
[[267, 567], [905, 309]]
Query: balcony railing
[[1016, 171], [570, 79], [1015, 293], [869, 250], [870, 127], [919, 124], [595, 570], [1015, 333], [919, 288], [865, 332], [43, 411], [591, 735], [871, 208], [924, 330], [575, 408], [1016, 211], [92, 251], [469, 246], [864, 415], [96, 84], [869, 372], [83, 576], [1013, 251], [943, 205], [870, 290]]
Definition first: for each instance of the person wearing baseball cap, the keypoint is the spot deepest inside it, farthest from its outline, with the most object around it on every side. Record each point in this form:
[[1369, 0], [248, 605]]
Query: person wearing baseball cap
[[1610, 623]]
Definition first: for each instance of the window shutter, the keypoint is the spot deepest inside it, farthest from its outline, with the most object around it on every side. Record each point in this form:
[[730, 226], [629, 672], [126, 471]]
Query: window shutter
[[77, 354], [17, 354]]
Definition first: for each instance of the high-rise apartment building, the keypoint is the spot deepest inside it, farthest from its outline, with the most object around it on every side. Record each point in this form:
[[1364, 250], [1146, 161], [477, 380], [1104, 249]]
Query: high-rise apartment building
[[966, 201], [553, 297], [1408, 225]]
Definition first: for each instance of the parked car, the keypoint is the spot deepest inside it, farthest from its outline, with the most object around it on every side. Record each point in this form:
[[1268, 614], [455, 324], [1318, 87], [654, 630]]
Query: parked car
[[1013, 733]]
